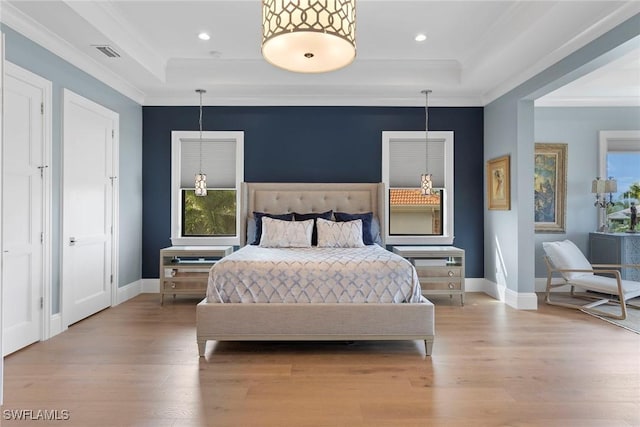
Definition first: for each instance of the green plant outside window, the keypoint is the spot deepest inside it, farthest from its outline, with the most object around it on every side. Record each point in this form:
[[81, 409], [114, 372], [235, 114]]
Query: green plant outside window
[[209, 216]]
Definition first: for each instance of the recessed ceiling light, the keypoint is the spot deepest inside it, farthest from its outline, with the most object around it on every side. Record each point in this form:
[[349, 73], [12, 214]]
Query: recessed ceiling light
[[204, 36], [420, 38]]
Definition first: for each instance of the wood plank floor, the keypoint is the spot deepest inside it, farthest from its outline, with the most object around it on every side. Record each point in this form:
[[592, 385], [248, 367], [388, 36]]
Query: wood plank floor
[[137, 365]]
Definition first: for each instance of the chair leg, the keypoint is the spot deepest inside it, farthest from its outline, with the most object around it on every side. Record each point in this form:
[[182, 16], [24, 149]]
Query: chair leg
[[622, 316]]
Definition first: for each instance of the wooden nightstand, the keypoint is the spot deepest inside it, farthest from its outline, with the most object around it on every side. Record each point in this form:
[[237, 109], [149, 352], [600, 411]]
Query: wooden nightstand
[[184, 270], [440, 268]]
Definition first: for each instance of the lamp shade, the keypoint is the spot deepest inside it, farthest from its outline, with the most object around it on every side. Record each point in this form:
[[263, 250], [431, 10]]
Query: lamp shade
[[309, 36], [611, 186], [597, 186]]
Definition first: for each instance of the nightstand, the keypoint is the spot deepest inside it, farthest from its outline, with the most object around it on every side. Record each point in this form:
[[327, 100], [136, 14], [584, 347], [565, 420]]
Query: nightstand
[[440, 268], [184, 270]]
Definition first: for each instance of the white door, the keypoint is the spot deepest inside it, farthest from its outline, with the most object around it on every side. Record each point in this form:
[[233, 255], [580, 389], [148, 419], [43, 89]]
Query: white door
[[23, 163], [89, 133]]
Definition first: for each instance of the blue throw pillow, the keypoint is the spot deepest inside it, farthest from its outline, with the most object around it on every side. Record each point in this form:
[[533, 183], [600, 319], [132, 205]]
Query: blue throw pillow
[[366, 218], [303, 217], [258, 217]]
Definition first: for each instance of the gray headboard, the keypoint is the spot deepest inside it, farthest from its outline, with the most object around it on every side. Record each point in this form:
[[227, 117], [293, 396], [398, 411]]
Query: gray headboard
[[302, 197]]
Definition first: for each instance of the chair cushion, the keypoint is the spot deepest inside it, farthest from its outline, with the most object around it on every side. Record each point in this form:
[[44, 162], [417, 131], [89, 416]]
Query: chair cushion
[[608, 285], [565, 254]]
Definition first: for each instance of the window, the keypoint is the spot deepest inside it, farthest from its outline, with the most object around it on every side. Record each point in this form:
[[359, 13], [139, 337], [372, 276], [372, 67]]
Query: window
[[215, 218], [410, 217], [620, 159]]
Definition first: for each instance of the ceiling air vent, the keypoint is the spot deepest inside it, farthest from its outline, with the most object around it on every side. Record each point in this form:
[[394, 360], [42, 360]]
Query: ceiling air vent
[[108, 51]]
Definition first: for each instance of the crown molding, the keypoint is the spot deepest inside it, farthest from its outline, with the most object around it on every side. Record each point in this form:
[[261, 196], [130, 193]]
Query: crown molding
[[110, 21], [18, 21], [315, 101], [587, 101], [626, 11]]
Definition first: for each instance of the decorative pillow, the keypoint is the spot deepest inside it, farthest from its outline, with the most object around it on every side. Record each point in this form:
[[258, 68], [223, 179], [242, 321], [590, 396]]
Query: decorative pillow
[[286, 234], [366, 223], [251, 231], [375, 231], [258, 217], [303, 217], [346, 234], [565, 254]]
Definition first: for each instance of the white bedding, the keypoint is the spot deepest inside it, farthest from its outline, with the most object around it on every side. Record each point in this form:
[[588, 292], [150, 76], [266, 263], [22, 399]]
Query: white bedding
[[313, 275]]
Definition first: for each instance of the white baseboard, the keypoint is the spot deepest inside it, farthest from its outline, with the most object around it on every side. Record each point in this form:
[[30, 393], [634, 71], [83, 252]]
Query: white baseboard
[[541, 284], [475, 285], [55, 325], [128, 291], [521, 300], [150, 286], [517, 300]]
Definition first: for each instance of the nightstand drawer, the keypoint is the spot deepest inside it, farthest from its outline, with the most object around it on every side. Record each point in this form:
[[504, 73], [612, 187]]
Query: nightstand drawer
[[424, 271], [196, 286], [452, 285]]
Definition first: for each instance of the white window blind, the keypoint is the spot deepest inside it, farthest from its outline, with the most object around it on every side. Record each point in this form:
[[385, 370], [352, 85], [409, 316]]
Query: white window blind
[[218, 162], [408, 159]]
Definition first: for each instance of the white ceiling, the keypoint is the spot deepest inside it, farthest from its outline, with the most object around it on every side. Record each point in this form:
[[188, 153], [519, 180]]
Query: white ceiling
[[475, 50]]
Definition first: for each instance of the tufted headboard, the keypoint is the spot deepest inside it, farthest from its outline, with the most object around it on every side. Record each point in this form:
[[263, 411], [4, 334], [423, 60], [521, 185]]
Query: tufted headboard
[[310, 197]]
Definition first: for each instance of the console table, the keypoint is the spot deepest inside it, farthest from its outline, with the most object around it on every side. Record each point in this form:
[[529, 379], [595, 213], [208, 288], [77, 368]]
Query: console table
[[616, 248], [440, 268], [184, 270]]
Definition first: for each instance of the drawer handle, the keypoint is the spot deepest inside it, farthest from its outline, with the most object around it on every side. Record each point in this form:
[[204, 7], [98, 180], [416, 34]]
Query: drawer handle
[[450, 273], [173, 286], [451, 286]]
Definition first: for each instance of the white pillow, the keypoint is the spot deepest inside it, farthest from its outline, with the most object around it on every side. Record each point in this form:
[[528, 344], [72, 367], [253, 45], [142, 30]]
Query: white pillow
[[339, 234], [277, 233], [565, 254]]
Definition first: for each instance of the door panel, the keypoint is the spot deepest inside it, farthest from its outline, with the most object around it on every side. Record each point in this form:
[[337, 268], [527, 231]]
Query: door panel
[[87, 207], [22, 212]]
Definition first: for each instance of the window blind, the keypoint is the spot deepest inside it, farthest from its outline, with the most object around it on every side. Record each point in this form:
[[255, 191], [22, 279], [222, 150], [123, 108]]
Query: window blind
[[218, 162], [408, 159]]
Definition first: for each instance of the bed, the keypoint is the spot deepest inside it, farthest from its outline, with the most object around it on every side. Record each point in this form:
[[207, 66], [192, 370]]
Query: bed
[[408, 317]]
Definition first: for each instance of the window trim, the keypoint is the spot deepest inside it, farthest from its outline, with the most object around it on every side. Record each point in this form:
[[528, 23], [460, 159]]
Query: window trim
[[618, 140], [388, 137], [176, 191]]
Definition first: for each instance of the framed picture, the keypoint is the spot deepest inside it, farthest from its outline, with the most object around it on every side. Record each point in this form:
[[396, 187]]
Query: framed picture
[[498, 184], [550, 187]]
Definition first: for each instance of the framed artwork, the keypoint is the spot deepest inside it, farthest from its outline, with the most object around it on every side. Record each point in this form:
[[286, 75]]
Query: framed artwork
[[498, 184], [550, 187]]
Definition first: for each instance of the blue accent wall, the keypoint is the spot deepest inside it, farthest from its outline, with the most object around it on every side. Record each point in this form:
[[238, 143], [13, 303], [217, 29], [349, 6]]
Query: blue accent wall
[[313, 144]]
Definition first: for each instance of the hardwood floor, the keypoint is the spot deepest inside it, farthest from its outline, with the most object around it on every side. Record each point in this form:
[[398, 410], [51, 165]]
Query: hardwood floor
[[137, 365]]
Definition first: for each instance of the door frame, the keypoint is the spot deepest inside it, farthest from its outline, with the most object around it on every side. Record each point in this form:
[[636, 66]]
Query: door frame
[[70, 96], [13, 70]]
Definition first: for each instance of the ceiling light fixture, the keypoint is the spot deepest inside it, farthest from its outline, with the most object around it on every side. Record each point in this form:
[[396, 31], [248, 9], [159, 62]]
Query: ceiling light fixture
[[309, 36], [204, 36], [426, 183], [201, 178], [420, 38]]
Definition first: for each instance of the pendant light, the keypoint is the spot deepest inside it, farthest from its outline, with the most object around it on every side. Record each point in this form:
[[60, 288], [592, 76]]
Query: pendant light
[[309, 36], [426, 183], [201, 178]]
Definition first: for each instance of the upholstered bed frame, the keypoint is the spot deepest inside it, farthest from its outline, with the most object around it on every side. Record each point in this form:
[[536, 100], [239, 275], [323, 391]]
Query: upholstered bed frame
[[312, 322]]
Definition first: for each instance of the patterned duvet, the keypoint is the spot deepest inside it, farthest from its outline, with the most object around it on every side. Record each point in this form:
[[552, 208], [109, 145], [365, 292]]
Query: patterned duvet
[[313, 275]]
